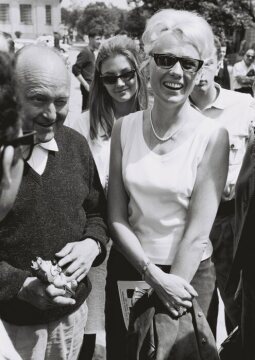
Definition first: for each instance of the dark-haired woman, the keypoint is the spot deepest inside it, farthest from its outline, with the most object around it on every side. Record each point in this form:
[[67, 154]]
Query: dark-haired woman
[[118, 88]]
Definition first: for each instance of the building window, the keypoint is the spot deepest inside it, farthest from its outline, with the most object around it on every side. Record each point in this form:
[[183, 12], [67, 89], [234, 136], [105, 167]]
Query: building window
[[48, 14], [26, 14], [4, 13]]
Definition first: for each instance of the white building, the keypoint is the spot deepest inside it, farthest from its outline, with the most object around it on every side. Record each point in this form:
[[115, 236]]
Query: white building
[[31, 17]]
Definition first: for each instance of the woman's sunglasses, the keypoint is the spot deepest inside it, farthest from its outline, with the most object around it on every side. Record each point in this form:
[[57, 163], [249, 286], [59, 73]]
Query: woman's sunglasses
[[167, 61], [112, 79]]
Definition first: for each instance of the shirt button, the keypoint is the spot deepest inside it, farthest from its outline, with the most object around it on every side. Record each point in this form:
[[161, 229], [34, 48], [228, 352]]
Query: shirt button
[[232, 146], [199, 314], [203, 340]]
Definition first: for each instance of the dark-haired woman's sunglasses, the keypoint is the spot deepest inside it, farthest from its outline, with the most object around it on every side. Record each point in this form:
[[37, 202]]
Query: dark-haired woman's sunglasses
[[112, 79], [26, 142], [167, 61]]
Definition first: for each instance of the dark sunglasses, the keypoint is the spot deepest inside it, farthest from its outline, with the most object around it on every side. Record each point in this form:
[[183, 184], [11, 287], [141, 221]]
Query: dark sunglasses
[[26, 142], [112, 79], [167, 61]]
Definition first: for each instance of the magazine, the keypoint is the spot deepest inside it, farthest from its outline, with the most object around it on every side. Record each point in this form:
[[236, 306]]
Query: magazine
[[129, 291]]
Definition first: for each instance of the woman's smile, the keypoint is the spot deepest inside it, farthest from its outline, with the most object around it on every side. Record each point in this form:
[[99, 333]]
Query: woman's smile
[[173, 85]]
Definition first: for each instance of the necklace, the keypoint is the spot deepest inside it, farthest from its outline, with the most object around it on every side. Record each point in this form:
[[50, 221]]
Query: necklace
[[168, 137]]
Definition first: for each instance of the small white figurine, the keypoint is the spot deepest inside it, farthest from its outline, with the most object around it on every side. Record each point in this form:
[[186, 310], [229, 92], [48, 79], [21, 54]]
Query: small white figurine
[[48, 271]]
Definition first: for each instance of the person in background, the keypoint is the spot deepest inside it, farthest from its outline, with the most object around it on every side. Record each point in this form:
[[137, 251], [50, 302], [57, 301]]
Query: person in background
[[58, 215], [118, 88], [84, 67], [168, 168], [240, 283], [222, 77], [57, 38], [12, 144], [244, 73], [6, 42], [236, 112]]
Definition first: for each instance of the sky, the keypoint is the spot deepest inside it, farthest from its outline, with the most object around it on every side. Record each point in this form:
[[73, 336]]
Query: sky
[[122, 4]]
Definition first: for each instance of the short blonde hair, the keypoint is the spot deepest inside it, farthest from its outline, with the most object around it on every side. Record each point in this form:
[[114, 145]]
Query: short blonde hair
[[183, 25]]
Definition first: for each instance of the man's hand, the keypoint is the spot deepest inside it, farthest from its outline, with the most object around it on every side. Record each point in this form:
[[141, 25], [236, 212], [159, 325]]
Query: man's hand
[[80, 256], [84, 83], [44, 296]]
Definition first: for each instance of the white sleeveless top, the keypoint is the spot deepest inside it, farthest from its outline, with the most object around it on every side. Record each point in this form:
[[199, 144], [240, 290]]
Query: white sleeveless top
[[99, 147], [160, 187]]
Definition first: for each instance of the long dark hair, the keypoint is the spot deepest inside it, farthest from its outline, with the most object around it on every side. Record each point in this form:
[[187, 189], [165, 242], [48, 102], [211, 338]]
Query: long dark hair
[[9, 116], [101, 103]]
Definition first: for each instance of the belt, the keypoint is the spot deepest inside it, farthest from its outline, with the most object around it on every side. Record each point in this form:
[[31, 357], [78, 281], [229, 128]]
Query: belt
[[226, 208]]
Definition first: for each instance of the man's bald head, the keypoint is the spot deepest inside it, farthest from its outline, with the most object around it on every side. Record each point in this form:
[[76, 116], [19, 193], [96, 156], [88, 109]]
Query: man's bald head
[[43, 84], [38, 58]]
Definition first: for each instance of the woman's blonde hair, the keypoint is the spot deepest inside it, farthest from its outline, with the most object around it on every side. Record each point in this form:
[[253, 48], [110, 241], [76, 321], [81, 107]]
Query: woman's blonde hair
[[183, 25], [101, 103]]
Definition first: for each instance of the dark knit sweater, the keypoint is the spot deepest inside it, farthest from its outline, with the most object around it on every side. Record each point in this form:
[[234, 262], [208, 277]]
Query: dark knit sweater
[[65, 204]]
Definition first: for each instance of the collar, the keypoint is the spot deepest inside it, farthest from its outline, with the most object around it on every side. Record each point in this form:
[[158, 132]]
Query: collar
[[91, 49], [50, 145], [39, 157], [247, 66], [219, 102]]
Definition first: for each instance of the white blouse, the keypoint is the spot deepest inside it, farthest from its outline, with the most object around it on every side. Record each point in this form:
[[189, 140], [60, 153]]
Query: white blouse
[[99, 147], [160, 187]]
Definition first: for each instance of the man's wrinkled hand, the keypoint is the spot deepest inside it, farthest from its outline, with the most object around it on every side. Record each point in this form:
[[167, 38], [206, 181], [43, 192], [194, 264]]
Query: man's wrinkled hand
[[43, 296], [77, 258]]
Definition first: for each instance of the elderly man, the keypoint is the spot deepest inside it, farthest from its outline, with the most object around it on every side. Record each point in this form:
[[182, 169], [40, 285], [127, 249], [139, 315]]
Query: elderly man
[[58, 214], [244, 73], [236, 112]]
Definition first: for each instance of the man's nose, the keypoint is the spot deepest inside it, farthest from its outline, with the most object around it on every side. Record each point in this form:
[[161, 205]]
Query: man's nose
[[50, 112], [202, 74]]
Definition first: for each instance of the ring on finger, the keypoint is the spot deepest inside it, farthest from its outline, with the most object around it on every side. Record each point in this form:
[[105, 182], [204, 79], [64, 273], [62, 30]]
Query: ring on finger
[[182, 310]]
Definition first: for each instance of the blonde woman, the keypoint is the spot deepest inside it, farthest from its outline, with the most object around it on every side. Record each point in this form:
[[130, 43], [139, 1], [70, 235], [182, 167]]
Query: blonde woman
[[167, 172]]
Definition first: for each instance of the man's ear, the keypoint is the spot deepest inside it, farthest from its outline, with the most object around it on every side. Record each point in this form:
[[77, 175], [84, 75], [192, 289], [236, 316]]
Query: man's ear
[[198, 76], [6, 166], [218, 66]]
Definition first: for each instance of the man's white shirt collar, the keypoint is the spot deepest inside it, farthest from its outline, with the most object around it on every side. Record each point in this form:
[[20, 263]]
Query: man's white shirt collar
[[39, 157], [218, 103]]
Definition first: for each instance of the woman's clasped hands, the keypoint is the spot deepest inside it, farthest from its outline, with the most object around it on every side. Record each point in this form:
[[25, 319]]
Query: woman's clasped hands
[[175, 292]]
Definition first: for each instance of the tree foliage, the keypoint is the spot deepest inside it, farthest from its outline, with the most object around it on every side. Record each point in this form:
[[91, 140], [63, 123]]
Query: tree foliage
[[70, 17], [135, 23], [223, 15], [105, 20]]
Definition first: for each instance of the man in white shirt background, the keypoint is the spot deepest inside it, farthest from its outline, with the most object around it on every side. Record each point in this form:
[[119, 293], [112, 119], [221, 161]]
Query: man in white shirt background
[[244, 73]]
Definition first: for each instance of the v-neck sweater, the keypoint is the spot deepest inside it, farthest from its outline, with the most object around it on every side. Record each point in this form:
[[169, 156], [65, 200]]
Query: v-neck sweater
[[65, 204]]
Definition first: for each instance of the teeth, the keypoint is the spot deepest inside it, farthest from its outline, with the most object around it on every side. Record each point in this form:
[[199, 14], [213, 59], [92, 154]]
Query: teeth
[[173, 85]]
